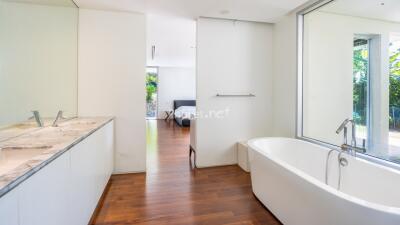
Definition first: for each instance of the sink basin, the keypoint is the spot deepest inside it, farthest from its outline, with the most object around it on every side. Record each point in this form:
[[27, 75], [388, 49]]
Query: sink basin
[[11, 159], [75, 126]]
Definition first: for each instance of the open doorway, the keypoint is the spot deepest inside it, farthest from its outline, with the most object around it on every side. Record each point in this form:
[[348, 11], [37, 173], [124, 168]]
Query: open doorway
[[171, 92]]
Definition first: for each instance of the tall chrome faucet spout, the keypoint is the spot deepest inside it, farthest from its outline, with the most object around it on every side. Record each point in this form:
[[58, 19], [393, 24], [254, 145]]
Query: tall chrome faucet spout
[[352, 148], [58, 118], [353, 134], [36, 115], [342, 126]]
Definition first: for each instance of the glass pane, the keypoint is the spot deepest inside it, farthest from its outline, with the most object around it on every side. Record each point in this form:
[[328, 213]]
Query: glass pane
[[360, 88], [351, 71], [327, 77], [394, 98]]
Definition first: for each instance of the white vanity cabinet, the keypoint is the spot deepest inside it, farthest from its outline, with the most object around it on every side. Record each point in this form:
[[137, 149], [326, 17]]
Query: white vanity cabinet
[[91, 167], [83, 185], [9, 208], [67, 190], [43, 198]]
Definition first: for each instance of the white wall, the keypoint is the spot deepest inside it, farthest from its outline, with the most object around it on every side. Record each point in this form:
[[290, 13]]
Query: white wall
[[232, 58], [38, 60], [285, 77], [174, 84], [174, 39], [112, 79]]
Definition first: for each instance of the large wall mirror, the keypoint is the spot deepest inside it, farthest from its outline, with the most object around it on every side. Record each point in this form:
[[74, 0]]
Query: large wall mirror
[[38, 59], [349, 68]]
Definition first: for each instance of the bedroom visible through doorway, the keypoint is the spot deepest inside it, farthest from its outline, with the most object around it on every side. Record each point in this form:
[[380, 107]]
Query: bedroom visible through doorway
[[171, 90]]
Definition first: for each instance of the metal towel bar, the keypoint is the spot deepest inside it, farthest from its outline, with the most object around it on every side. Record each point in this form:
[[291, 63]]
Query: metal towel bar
[[223, 95]]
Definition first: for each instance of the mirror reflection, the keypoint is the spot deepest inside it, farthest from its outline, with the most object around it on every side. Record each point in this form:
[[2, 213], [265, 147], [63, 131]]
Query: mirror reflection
[[38, 59]]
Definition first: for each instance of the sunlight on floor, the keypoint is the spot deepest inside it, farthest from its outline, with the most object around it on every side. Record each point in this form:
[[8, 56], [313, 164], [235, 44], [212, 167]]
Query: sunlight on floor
[[152, 144]]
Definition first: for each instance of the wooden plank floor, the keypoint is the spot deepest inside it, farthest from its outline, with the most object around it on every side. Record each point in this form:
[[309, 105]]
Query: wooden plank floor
[[173, 193]]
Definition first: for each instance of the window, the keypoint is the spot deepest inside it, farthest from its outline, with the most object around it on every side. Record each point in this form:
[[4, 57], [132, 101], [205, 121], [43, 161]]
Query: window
[[349, 68], [151, 92]]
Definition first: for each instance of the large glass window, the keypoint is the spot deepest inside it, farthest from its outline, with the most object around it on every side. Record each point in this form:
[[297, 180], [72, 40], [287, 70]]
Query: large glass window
[[349, 68]]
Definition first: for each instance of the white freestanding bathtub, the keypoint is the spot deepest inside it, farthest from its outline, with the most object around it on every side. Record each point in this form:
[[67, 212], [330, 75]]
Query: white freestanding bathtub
[[288, 177]]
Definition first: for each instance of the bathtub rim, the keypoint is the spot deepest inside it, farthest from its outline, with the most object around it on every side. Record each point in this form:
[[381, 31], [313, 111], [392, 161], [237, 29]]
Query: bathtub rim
[[311, 180]]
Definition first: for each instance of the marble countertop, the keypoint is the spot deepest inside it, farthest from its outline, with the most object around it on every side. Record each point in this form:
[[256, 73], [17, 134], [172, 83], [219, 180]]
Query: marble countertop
[[18, 129], [33, 148]]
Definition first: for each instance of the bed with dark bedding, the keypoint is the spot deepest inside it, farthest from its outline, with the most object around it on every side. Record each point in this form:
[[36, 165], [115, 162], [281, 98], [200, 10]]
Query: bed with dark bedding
[[184, 110]]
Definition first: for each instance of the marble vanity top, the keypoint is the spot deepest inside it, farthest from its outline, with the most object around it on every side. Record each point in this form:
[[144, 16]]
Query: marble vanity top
[[22, 128], [33, 148]]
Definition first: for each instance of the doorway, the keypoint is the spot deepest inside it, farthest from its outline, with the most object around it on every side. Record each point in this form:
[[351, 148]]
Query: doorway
[[170, 85]]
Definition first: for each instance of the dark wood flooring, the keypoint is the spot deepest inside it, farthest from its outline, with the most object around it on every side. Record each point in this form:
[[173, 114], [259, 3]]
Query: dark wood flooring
[[173, 193]]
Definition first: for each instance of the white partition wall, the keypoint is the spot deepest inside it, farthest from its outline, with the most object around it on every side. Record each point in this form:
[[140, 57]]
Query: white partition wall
[[112, 59], [173, 39], [233, 57], [284, 88]]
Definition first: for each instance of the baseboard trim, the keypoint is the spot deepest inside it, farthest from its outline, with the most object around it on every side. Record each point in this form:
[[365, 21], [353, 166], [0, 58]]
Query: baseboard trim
[[192, 150], [100, 202], [128, 172], [217, 165]]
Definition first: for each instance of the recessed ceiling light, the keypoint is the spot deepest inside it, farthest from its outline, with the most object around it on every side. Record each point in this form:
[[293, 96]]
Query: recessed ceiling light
[[224, 12]]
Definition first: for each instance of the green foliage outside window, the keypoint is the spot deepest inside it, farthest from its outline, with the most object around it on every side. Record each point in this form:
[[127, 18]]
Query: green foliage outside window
[[394, 88], [360, 85], [151, 86]]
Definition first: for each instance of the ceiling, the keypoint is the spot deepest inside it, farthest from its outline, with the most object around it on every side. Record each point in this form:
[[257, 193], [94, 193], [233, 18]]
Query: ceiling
[[388, 10], [251, 10]]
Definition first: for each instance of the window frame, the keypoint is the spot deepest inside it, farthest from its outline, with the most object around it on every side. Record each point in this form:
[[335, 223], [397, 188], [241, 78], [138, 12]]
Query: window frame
[[369, 139], [299, 98]]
